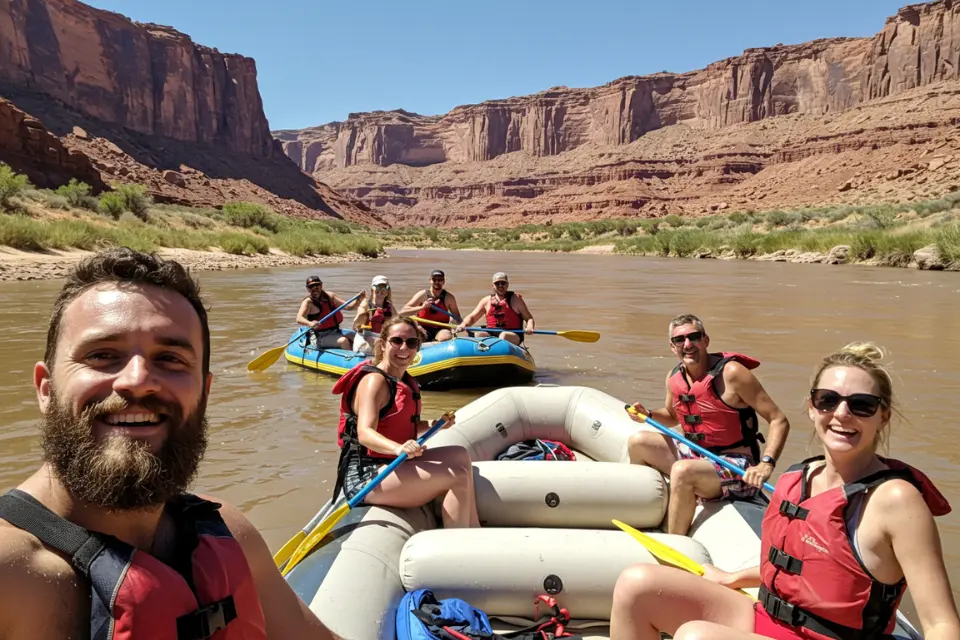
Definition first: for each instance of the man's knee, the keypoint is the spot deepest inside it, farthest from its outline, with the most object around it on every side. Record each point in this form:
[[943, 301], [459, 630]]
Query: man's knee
[[693, 474], [443, 335], [642, 444]]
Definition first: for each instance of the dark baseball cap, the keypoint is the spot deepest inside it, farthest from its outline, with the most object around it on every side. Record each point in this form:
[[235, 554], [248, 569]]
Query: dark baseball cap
[[437, 273], [314, 280]]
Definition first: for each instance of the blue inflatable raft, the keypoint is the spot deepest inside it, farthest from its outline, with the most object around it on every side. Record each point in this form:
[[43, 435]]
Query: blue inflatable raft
[[458, 363]]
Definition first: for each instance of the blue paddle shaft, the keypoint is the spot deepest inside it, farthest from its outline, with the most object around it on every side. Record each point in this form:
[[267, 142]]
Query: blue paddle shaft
[[695, 447], [442, 310], [357, 499], [324, 318]]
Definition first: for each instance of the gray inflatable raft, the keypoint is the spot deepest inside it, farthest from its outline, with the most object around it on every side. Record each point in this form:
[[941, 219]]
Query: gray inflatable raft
[[546, 524]]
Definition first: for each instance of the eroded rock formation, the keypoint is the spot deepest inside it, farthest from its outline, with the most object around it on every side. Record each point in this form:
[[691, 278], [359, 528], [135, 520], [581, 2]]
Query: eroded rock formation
[[586, 153]]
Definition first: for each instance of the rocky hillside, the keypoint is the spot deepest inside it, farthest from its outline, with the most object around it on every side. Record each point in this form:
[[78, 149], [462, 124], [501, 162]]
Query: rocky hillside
[[684, 143], [148, 101]]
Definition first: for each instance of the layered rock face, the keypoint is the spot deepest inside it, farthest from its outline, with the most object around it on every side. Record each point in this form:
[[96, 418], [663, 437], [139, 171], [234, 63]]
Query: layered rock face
[[102, 98], [144, 77], [497, 158], [30, 149]]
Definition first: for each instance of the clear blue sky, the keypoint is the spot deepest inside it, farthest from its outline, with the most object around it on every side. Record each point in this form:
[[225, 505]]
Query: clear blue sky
[[319, 60]]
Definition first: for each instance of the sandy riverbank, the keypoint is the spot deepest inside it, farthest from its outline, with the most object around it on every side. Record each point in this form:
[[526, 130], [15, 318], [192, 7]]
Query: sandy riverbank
[[29, 265]]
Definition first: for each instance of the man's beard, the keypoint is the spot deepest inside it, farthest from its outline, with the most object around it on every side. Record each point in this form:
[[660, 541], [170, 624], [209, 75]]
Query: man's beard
[[118, 472]]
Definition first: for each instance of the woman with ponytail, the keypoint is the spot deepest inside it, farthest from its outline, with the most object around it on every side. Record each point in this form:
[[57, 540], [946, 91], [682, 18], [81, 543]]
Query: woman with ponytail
[[843, 535], [380, 419]]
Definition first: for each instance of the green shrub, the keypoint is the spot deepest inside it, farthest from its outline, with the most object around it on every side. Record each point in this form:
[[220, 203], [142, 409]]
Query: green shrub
[[11, 184], [739, 217], [684, 243], [250, 214], [113, 204], [674, 220], [75, 192], [136, 200], [947, 240]]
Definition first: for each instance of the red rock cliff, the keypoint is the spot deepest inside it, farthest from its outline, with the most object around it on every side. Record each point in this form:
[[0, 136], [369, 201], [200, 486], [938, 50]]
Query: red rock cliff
[[146, 78], [918, 46]]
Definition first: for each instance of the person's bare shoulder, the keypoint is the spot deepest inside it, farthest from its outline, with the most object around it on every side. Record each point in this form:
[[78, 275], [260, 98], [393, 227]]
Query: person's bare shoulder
[[42, 596]]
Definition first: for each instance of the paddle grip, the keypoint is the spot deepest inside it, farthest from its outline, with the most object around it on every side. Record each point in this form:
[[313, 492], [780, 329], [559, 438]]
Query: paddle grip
[[695, 447], [400, 459]]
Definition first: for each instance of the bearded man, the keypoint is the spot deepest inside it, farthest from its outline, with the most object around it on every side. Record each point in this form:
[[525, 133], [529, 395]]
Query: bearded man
[[103, 541]]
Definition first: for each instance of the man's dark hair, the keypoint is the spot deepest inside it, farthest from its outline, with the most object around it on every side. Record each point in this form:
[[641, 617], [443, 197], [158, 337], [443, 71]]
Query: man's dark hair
[[126, 266]]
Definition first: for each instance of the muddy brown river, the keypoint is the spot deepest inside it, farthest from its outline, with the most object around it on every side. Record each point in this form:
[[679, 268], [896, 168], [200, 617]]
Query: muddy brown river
[[272, 448]]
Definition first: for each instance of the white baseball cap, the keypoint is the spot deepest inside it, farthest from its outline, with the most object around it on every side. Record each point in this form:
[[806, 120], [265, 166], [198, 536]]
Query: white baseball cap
[[380, 280], [500, 275]]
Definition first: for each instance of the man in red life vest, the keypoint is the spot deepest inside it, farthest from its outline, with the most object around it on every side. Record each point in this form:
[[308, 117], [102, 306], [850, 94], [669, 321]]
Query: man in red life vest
[[426, 302], [103, 542], [316, 306], [503, 309], [715, 399]]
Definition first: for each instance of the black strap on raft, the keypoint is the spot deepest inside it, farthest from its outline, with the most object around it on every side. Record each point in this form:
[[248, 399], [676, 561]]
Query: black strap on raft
[[82, 547]]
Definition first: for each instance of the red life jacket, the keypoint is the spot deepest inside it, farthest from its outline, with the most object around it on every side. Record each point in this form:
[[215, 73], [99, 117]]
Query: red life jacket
[[398, 419], [433, 314], [706, 419], [501, 315], [376, 315], [208, 592], [325, 306], [812, 579]]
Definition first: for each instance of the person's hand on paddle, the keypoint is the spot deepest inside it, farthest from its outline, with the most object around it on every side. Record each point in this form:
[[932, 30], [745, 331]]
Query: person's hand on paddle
[[719, 576], [412, 448], [528, 330], [757, 475], [450, 420], [639, 408], [459, 328]]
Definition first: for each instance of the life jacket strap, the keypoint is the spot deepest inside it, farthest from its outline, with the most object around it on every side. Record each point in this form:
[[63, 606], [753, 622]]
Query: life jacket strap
[[794, 616], [23, 511], [206, 621], [693, 419]]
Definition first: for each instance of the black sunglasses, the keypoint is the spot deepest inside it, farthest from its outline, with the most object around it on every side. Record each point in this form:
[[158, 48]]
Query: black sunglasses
[[397, 341], [315, 285], [500, 283], [696, 336], [864, 405]]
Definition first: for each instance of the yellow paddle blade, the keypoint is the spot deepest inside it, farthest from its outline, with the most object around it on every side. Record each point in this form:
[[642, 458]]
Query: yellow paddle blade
[[433, 323], [287, 549], [666, 553], [318, 534], [662, 551], [580, 336], [265, 359]]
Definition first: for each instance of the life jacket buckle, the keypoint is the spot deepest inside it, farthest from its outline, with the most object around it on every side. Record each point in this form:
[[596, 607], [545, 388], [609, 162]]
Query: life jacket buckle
[[206, 621], [792, 510], [785, 561], [779, 608], [688, 397], [693, 419]]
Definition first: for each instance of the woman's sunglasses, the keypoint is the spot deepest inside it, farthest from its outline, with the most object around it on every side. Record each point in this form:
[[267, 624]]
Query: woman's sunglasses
[[864, 405], [381, 287], [696, 336], [397, 341]]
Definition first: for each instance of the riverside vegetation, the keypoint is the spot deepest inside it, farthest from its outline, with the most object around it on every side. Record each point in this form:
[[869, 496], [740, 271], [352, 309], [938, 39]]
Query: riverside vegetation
[[71, 218], [883, 234]]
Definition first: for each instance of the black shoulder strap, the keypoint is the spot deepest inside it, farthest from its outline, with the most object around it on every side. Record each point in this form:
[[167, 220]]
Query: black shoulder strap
[[443, 295], [716, 369], [25, 512], [878, 478], [803, 463]]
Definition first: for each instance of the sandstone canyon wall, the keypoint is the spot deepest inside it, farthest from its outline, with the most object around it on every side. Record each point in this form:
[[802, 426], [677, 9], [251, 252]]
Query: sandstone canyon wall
[[418, 167], [144, 103]]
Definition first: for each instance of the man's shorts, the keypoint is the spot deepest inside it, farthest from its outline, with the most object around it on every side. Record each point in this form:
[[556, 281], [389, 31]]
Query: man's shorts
[[732, 486], [326, 339]]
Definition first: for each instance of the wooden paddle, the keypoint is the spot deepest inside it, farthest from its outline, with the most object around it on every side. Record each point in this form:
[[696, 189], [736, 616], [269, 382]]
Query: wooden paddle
[[267, 358], [666, 553], [576, 336], [331, 520]]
